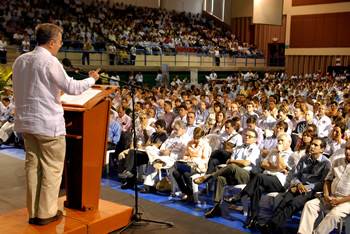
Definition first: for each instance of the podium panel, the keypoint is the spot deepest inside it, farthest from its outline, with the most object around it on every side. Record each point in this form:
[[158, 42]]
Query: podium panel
[[87, 131]]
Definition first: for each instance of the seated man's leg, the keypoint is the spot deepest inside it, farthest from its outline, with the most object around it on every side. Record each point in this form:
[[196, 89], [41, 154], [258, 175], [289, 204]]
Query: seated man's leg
[[121, 160], [153, 153], [239, 176], [221, 155], [333, 218], [218, 157], [220, 184], [151, 177], [152, 173], [5, 132], [291, 203], [260, 184], [309, 215], [178, 175]]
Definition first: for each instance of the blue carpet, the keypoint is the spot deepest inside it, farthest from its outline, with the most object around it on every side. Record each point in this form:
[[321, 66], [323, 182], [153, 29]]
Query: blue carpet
[[230, 217]]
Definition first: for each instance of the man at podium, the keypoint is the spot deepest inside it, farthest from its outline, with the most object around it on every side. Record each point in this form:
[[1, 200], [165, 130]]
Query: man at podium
[[38, 79]]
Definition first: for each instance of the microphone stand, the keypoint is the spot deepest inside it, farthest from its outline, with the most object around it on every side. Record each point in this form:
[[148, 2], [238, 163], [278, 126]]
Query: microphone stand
[[136, 217]]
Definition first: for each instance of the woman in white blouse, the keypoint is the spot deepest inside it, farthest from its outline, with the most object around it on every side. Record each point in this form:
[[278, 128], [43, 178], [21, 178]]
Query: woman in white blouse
[[197, 152]]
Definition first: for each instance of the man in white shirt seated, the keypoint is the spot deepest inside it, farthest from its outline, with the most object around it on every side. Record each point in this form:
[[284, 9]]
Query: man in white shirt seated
[[283, 117], [266, 121], [274, 178], [270, 142], [238, 170], [143, 132], [182, 114], [224, 148], [191, 123], [323, 123], [171, 150], [5, 110]]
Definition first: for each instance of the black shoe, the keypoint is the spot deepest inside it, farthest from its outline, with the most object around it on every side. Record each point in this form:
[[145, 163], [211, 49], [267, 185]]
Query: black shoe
[[233, 199], [126, 175], [42, 222], [268, 227], [251, 222], [149, 189], [215, 212], [32, 220], [127, 185]]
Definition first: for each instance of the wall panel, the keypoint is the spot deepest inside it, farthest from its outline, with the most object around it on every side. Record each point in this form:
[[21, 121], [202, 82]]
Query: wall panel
[[320, 30], [313, 2], [301, 64], [265, 33], [240, 27]]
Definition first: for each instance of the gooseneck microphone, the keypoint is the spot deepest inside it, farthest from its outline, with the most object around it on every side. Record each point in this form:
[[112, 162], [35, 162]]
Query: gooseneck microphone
[[66, 62]]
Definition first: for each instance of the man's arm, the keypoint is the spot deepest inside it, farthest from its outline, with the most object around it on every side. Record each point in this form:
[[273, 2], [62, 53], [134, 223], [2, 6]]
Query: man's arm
[[241, 163]]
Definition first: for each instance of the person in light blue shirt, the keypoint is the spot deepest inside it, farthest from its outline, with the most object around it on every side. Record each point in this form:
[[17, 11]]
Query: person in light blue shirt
[[202, 114], [114, 133]]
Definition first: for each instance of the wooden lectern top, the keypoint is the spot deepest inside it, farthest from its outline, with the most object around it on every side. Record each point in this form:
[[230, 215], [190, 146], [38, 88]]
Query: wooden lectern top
[[106, 90]]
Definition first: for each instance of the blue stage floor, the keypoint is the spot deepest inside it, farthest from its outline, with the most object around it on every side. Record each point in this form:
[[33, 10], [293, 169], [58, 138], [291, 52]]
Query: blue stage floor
[[230, 217]]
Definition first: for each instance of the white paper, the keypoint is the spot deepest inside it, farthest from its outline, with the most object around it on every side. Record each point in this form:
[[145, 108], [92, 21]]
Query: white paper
[[79, 99]]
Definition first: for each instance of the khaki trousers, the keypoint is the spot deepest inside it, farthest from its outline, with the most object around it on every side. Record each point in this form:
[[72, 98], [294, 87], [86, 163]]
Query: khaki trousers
[[312, 211], [44, 166]]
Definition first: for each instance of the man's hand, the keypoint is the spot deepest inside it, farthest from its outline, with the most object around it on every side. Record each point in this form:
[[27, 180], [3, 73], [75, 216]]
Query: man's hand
[[228, 161], [285, 171], [334, 202], [294, 189], [279, 147], [144, 126], [302, 189], [165, 152], [94, 74]]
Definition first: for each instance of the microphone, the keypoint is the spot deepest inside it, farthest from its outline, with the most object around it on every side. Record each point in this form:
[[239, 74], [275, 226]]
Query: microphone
[[66, 62]]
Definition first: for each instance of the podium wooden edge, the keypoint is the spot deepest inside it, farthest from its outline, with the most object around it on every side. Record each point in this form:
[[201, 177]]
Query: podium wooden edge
[[109, 217]]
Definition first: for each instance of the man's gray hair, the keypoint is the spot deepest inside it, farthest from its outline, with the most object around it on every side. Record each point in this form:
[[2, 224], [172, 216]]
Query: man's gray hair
[[46, 32], [180, 123], [286, 135]]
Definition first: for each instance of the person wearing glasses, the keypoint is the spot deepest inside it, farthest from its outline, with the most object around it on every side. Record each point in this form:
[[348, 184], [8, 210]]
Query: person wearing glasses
[[238, 170], [307, 179], [277, 165], [38, 80]]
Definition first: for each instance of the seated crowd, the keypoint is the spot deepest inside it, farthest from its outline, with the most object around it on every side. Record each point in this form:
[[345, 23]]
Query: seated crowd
[[274, 134], [115, 27]]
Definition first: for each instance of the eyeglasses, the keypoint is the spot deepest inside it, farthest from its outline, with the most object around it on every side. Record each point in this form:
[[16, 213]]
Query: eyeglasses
[[249, 136]]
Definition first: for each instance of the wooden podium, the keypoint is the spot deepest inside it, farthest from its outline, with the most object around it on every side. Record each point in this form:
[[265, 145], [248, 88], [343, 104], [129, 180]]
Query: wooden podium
[[87, 131]]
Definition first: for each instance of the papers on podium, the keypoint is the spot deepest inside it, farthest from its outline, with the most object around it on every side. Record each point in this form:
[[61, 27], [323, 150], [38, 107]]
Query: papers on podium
[[81, 99]]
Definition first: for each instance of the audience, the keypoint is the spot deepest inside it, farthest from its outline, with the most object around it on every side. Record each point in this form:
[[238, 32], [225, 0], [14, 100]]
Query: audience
[[308, 113], [129, 28]]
